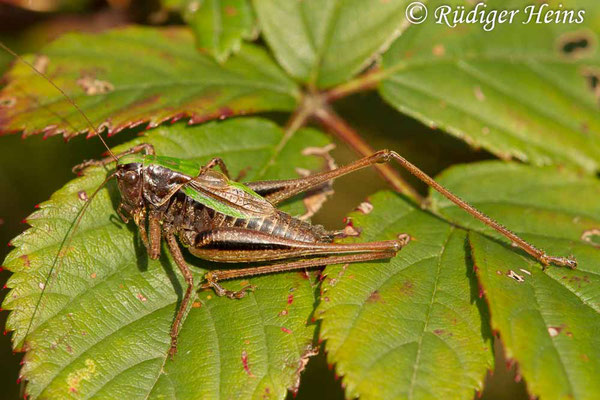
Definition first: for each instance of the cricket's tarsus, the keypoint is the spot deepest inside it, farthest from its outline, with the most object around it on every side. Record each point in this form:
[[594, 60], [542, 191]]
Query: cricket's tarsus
[[221, 220]]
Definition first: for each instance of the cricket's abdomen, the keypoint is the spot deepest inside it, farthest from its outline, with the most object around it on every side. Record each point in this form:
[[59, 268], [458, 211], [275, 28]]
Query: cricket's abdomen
[[280, 224], [211, 235]]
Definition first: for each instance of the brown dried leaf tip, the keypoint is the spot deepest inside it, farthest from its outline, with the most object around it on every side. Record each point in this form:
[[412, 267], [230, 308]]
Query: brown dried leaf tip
[[309, 351]]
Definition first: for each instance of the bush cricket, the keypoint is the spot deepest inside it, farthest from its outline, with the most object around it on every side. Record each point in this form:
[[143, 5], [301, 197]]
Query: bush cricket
[[218, 219]]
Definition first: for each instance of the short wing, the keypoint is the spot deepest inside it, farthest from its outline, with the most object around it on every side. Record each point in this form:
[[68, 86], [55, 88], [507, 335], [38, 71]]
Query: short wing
[[228, 197]]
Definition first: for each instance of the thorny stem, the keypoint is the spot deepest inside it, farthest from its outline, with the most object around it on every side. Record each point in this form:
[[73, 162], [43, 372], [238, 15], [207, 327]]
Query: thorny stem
[[330, 120]]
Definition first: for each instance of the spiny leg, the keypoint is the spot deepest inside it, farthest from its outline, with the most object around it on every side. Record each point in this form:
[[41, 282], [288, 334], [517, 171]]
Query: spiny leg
[[277, 191], [146, 147], [213, 277], [540, 255], [189, 279], [233, 245], [243, 245]]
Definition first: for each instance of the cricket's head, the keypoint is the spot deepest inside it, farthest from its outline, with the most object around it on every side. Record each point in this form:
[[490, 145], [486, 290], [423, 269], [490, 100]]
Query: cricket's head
[[130, 182]]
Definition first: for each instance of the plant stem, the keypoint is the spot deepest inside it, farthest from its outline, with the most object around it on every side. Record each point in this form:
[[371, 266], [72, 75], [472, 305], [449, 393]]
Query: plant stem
[[296, 121], [367, 81], [333, 122]]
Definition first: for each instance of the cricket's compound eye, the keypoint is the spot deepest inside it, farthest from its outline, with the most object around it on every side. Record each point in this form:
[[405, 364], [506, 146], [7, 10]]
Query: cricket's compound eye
[[130, 177]]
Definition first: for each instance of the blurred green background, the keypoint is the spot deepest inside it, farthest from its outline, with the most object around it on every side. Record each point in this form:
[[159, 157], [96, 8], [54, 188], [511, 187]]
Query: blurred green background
[[32, 169]]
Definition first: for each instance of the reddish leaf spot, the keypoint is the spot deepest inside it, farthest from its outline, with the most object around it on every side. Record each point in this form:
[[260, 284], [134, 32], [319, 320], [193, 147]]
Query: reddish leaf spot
[[407, 288], [375, 297], [82, 195], [286, 330], [303, 274], [245, 364], [290, 298], [26, 261], [438, 50], [230, 11], [439, 331]]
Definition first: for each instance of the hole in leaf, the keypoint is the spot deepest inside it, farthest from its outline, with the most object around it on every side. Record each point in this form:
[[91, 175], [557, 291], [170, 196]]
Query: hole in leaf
[[576, 44], [7, 102]]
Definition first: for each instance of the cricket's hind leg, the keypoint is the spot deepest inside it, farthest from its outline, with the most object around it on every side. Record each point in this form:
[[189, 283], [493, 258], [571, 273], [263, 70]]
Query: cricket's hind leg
[[213, 277], [242, 245], [277, 191]]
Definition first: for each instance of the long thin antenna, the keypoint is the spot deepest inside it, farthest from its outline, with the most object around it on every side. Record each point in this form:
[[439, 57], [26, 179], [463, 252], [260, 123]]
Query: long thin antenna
[[69, 99], [65, 242]]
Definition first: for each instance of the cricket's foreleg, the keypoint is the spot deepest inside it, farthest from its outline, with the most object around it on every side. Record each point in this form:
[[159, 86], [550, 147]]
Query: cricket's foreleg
[[213, 277], [185, 301], [145, 147], [140, 221], [154, 236]]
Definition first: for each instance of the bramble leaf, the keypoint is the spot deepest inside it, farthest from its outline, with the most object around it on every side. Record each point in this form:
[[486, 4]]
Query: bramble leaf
[[520, 90], [219, 26], [126, 77], [325, 42], [412, 327], [546, 319], [103, 324]]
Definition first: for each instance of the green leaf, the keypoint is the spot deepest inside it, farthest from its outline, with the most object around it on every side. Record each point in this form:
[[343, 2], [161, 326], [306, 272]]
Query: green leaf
[[324, 42], [547, 320], [133, 76], [410, 327], [523, 91], [103, 326], [220, 25]]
